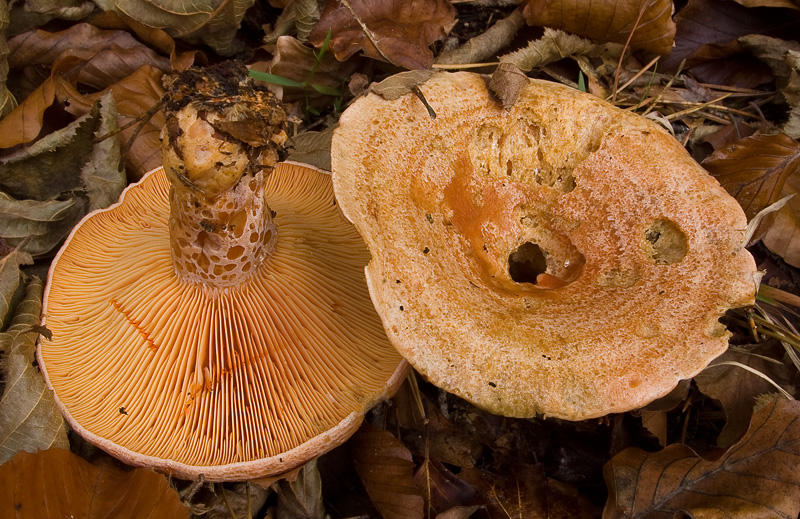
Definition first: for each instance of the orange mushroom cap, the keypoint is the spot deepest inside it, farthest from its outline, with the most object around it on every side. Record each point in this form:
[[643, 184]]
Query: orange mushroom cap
[[559, 257], [231, 383]]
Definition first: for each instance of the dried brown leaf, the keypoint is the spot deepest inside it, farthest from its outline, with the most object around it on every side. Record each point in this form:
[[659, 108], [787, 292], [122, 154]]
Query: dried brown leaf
[[525, 491], [708, 26], [24, 122], [57, 483], [486, 44], [134, 96], [301, 498], [11, 291], [609, 21], [312, 148], [385, 467], [108, 55], [754, 169], [29, 418], [49, 186], [7, 100], [783, 58], [552, 46], [783, 236], [397, 31], [400, 84], [786, 4], [757, 477], [736, 388], [213, 22], [442, 489]]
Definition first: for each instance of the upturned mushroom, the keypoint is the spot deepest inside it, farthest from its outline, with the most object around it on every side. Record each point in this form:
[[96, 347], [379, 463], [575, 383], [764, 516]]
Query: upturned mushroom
[[559, 257], [216, 321]]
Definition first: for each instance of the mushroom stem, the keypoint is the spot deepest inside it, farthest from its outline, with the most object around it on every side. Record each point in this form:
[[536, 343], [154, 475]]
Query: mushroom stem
[[221, 141]]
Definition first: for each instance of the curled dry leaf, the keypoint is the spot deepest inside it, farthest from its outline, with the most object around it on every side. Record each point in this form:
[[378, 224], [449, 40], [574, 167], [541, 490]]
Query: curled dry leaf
[[486, 44], [552, 46], [397, 31], [385, 467], [213, 22], [754, 169], [736, 388], [757, 477], [57, 483], [609, 20], [29, 418]]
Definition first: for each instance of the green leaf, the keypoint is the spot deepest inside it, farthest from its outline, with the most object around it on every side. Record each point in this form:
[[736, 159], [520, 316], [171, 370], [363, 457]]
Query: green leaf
[[323, 89], [29, 418], [275, 79]]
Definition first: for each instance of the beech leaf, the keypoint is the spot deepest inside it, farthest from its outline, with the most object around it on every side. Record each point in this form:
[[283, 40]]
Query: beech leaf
[[213, 22], [756, 477], [385, 467], [29, 418], [397, 31], [754, 169], [609, 21], [57, 483]]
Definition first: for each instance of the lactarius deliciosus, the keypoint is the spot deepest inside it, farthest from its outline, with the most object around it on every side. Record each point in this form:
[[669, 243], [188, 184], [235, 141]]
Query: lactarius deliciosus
[[559, 256], [216, 321]]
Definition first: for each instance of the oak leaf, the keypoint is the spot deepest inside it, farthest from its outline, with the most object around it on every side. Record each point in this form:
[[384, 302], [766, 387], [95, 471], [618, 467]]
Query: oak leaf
[[756, 477], [397, 31], [57, 483], [609, 21]]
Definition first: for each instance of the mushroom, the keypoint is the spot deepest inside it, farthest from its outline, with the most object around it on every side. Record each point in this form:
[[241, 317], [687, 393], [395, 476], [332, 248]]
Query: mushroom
[[216, 321], [561, 257]]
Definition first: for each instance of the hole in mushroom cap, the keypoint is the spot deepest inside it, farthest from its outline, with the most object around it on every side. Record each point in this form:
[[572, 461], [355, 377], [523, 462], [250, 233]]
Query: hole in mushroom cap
[[665, 242], [526, 263]]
